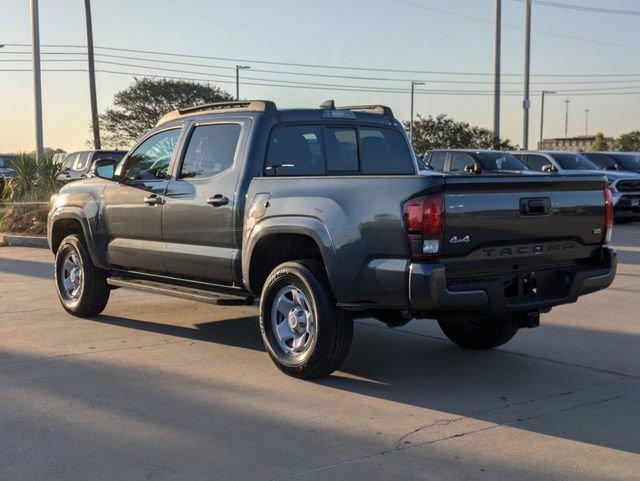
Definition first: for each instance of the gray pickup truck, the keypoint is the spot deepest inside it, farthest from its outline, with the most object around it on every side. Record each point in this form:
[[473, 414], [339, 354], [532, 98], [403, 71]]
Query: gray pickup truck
[[321, 214]]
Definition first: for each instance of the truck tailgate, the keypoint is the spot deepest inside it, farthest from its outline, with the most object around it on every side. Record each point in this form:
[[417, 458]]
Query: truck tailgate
[[498, 218]]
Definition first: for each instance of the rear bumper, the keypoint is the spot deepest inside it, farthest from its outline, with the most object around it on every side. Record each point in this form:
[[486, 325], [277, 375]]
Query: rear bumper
[[429, 289]]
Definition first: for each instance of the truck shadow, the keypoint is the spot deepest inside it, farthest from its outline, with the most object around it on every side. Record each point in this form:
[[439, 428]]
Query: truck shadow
[[515, 389]]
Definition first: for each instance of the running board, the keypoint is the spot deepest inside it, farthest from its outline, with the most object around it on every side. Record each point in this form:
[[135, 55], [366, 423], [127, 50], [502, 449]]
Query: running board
[[184, 292]]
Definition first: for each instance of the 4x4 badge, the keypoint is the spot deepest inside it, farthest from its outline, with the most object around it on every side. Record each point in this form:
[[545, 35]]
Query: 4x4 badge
[[454, 240]]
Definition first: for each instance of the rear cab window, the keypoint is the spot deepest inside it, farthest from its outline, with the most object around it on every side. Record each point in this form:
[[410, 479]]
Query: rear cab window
[[312, 150]]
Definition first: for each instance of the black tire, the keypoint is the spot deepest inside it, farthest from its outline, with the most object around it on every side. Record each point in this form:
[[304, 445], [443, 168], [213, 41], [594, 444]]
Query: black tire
[[93, 293], [329, 345], [480, 334]]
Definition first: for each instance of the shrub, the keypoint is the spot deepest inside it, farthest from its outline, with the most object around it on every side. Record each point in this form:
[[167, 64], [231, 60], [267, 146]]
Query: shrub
[[25, 197]]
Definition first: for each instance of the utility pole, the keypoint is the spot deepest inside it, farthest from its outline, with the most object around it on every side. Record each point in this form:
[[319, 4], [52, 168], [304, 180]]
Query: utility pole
[[413, 89], [92, 77], [496, 88], [586, 111], [527, 57], [566, 119], [238, 68], [549, 92], [37, 83]]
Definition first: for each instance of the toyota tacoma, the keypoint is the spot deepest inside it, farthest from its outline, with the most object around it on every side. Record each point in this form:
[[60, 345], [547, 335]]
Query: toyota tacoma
[[322, 216]]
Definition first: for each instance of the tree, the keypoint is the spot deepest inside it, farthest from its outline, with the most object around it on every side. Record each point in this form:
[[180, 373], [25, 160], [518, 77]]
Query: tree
[[629, 142], [137, 108], [442, 132], [600, 143]]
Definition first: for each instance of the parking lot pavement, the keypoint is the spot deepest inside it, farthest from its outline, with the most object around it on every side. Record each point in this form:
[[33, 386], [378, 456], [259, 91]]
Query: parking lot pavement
[[161, 388]]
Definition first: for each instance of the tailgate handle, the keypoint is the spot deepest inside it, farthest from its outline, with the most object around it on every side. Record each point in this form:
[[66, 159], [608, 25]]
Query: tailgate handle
[[537, 206]]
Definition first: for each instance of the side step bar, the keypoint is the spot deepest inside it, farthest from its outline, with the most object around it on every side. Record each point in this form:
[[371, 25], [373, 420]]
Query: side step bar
[[184, 292]]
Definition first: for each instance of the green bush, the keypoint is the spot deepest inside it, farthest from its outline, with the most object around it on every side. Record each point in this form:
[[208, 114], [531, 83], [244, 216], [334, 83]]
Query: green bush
[[25, 197]]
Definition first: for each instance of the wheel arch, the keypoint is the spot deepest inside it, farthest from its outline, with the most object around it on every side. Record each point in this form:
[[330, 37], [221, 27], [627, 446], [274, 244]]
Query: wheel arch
[[72, 221], [279, 240]]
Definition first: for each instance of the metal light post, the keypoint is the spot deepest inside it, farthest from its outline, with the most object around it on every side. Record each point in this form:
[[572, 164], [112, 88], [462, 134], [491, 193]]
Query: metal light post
[[566, 119], [37, 83], [496, 87], [238, 68], [586, 112], [544, 92], [413, 91], [92, 77], [527, 57]]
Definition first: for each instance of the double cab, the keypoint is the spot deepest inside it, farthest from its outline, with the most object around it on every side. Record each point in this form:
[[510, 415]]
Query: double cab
[[322, 215]]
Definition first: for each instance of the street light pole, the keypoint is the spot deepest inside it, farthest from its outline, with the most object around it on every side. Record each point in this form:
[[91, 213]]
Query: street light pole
[[413, 90], [496, 93], [92, 77], [566, 119], [527, 57], [586, 111], [37, 81], [238, 68], [550, 92]]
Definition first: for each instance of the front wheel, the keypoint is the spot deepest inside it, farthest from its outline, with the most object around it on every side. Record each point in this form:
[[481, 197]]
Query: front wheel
[[480, 333], [82, 287], [303, 331]]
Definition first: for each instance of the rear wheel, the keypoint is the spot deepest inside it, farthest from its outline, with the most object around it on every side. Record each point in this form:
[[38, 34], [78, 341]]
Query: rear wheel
[[82, 287], [303, 331], [480, 333]]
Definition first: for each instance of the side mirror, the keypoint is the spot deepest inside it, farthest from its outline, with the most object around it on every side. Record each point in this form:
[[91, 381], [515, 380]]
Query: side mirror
[[548, 168], [104, 169], [612, 167], [472, 169]]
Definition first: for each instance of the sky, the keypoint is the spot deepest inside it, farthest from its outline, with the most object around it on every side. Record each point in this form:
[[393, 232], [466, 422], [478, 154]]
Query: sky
[[571, 51]]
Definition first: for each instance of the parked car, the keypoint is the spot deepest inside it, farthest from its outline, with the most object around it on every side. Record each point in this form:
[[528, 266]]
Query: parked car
[[320, 213], [625, 161], [625, 186], [77, 165], [6, 171], [468, 161]]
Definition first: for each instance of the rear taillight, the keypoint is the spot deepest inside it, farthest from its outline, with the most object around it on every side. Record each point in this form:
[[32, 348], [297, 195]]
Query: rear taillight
[[424, 225], [608, 216]]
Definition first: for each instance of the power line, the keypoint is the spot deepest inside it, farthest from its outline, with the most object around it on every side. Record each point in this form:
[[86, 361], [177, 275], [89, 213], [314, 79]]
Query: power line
[[410, 3], [581, 8], [318, 66], [588, 92], [318, 84], [319, 75]]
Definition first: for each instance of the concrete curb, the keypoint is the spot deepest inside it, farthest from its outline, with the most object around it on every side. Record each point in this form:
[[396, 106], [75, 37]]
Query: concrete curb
[[23, 241]]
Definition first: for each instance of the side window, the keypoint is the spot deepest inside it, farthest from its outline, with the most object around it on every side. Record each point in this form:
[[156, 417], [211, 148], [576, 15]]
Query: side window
[[342, 149], [536, 162], [295, 150], [459, 161], [150, 160], [211, 150], [83, 160], [384, 151], [69, 161], [437, 160]]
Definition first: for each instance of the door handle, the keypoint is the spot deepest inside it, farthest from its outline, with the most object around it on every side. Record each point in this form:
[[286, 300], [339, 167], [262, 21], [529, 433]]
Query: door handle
[[218, 200], [153, 199]]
